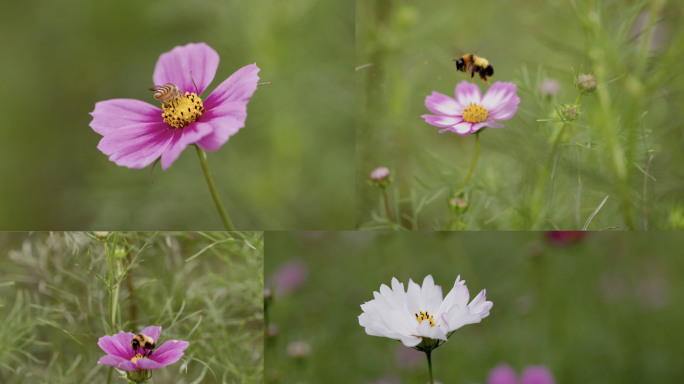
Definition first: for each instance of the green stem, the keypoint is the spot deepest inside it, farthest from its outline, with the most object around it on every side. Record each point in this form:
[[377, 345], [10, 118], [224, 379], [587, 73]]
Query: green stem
[[429, 358], [387, 208], [212, 189], [472, 166]]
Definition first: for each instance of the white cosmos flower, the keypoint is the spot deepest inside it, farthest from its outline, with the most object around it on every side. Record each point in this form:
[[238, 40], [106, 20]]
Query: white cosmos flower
[[419, 317]]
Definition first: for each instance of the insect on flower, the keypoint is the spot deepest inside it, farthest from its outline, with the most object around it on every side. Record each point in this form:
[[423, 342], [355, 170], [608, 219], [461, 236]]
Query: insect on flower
[[166, 93]]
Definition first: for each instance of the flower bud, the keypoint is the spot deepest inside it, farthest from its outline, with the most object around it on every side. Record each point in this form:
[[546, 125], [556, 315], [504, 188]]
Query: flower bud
[[570, 112], [298, 350], [381, 177], [549, 87], [586, 84], [458, 203]]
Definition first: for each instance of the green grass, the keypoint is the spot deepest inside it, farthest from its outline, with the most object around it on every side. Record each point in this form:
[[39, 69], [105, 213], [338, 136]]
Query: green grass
[[603, 310], [61, 292], [269, 175], [625, 146]]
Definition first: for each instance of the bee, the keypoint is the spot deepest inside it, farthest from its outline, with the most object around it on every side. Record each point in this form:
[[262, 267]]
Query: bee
[[143, 342], [166, 93], [473, 63]]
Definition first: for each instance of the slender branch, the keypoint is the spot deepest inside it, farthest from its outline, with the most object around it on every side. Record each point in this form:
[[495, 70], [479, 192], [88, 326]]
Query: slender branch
[[472, 166], [387, 209], [429, 359]]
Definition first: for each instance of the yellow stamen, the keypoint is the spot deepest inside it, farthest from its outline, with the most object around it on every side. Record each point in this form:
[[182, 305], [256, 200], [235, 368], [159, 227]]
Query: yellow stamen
[[183, 110], [136, 357], [425, 316], [475, 113]]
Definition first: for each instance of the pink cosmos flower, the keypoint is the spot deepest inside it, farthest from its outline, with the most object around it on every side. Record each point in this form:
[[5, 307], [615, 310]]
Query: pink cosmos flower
[[120, 353], [532, 374], [469, 111], [135, 133]]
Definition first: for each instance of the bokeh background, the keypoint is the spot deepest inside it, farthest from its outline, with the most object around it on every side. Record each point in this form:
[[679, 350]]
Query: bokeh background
[[599, 308], [627, 143], [204, 288], [296, 151]]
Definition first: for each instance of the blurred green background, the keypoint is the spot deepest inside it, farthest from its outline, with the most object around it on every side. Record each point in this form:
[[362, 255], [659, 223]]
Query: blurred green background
[[204, 288], [602, 309], [627, 144], [295, 153]]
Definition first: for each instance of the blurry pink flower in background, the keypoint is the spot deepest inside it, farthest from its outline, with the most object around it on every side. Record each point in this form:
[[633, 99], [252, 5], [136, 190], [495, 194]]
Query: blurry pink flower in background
[[289, 277], [408, 358], [469, 111], [549, 87], [532, 374], [298, 349], [565, 237]]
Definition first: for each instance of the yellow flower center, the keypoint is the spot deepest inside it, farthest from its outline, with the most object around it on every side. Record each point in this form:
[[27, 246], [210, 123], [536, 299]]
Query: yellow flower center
[[475, 113], [183, 110], [136, 357], [425, 316]]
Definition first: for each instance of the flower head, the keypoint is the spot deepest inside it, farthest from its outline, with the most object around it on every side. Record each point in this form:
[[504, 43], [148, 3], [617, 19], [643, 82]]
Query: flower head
[[532, 374], [381, 177], [122, 355], [470, 111], [418, 316], [135, 133]]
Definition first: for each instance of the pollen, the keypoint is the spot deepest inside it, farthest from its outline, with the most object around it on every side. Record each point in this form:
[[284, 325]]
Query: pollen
[[182, 110], [137, 357], [425, 316], [475, 113]]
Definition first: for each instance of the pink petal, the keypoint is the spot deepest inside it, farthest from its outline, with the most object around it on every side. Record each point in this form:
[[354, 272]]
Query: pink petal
[[182, 65], [238, 88], [440, 104], [153, 332], [536, 374], [116, 113], [442, 121], [169, 352], [467, 93], [148, 364], [463, 128], [223, 122], [501, 101], [136, 146], [501, 374], [181, 138], [118, 362], [117, 345]]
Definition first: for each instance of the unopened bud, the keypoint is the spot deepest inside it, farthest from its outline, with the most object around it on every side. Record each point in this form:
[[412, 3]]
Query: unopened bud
[[381, 177], [570, 111], [298, 349], [586, 84], [549, 87]]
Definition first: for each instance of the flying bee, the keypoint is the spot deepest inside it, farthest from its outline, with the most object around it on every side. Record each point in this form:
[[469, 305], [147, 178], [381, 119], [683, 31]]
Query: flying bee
[[143, 342], [166, 93], [473, 63]]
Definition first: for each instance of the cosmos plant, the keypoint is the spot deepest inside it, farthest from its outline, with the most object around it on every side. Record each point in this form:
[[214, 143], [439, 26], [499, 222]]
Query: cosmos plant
[[138, 355], [136, 134], [470, 112], [419, 317]]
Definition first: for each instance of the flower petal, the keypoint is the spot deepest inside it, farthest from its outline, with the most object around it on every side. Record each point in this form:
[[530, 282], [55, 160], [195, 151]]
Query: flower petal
[[182, 65], [118, 362], [467, 93], [148, 364], [181, 138], [238, 88], [223, 123], [169, 352], [116, 113], [442, 121], [441, 104], [502, 374], [537, 374], [463, 128], [117, 345], [153, 332], [501, 101], [138, 145]]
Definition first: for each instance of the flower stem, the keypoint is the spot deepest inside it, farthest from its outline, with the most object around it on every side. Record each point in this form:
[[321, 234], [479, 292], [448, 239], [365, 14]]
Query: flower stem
[[429, 358], [212, 189], [472, 166], [387, 209]]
